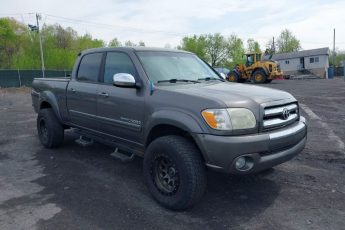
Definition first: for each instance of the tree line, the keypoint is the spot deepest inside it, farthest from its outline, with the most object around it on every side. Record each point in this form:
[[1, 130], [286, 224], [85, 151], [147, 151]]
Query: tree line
[[19, 46]]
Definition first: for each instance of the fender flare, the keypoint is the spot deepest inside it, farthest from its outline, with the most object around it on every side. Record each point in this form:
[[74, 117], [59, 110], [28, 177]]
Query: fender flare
[[175, 118], [49, 97]]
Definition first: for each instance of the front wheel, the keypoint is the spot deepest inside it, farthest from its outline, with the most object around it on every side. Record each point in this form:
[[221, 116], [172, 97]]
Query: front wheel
[[259, 77], [174, 172], [233, 77]]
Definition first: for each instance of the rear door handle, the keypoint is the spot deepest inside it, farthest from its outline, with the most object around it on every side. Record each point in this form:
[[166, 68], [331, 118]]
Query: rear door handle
[[103, 94], [73, 90]]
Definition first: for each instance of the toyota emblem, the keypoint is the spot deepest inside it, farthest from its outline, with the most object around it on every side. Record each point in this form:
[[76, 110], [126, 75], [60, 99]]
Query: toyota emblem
[[285, 114]]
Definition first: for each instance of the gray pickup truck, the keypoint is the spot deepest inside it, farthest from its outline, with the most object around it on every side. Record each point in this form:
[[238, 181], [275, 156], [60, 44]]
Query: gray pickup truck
[[176, 112]]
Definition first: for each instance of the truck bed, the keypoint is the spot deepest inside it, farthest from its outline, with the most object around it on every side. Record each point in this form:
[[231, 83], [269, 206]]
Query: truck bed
[[45, 87]]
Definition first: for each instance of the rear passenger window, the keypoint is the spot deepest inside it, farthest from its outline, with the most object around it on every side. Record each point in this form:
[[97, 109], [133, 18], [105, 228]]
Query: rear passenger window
[[89, 67], [117, 62]]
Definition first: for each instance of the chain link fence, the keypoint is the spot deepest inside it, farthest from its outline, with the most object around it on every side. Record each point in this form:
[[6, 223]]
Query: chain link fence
[[339, 71], [18, 78]]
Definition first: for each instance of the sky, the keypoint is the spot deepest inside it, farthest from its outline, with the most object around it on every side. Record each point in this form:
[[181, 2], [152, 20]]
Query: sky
[[162, 23]]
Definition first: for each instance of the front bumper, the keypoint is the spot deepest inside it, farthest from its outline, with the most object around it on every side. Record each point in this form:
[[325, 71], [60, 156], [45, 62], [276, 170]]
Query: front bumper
[[265, 150], [275, 74]]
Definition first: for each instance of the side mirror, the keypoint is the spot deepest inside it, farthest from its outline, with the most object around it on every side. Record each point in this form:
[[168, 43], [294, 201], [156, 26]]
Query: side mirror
[[124, 80]]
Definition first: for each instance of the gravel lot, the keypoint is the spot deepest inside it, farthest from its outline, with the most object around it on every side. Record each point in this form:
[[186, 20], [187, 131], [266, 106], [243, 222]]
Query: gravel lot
[[84, 188]]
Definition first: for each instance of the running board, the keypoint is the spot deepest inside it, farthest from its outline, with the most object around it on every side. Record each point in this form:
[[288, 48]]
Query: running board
[[84, 141], [124, 157]]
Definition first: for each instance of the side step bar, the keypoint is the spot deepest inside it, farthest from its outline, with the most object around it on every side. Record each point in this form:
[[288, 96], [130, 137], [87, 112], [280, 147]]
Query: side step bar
[[124, 157], [121, 152], [84, 141]]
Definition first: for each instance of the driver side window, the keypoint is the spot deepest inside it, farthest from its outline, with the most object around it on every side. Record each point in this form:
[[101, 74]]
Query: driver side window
[[117, 62]]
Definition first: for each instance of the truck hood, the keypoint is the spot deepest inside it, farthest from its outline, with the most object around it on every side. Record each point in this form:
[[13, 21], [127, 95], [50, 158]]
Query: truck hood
[[230, 93]]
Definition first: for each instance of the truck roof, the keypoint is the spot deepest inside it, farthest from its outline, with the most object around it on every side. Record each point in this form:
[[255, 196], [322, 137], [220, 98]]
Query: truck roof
[[132, 48]]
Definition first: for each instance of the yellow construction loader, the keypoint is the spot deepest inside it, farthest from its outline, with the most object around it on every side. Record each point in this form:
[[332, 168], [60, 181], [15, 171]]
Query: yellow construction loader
[[256, 70]]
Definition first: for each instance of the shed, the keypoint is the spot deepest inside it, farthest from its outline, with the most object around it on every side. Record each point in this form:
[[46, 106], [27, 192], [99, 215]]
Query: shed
[[314, 61]]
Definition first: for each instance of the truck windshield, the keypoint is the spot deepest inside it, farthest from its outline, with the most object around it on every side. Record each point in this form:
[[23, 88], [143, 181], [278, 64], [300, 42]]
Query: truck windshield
[[163, 66]]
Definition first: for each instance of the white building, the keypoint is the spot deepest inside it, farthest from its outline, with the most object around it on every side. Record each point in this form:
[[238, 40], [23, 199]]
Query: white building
[[315, 61]]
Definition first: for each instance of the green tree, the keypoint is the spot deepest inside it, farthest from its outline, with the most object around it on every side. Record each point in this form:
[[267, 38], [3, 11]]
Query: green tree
[[141, 43], [129, 43], [195, 44], [339, 58], [19, 46], [114, 43], [287, 42], [28, 56], [253, 46], [8, 43], [217, 48], [236, 50], [63, 37], [87, 42], [59, 46]]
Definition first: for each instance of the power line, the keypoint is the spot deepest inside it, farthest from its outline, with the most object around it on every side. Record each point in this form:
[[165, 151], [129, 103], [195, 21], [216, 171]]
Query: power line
[[15, 14], [128, 28], [138, 30]]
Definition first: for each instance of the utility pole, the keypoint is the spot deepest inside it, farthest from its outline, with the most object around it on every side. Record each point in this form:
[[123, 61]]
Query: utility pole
[[333, 50], [38, 17], [273, 46]]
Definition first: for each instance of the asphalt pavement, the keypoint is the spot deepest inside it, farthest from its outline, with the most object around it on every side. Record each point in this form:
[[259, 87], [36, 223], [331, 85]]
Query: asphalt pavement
[[75, 187]]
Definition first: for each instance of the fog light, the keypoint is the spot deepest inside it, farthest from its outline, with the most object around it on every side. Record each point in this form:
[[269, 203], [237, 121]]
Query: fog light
[[240, 162]]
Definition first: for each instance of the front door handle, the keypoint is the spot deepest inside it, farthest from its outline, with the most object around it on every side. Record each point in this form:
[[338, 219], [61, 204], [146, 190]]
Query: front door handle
[[73, 90], [103, 94]]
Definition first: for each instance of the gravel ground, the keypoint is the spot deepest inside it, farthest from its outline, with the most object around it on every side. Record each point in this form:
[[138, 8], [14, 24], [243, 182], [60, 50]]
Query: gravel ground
[[84, 188]]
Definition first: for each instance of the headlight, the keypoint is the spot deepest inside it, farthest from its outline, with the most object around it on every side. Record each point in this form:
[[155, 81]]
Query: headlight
[[217, 119], [228, 119], [242, 118]]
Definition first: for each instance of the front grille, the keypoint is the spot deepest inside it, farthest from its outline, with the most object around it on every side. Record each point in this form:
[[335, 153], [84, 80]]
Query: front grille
[[276, 117]]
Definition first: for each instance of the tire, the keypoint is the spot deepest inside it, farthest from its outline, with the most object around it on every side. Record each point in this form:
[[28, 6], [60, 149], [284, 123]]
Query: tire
[[50, 130], [242, 80], [174, 172], [259, 76], [268, 81], [233, 77]]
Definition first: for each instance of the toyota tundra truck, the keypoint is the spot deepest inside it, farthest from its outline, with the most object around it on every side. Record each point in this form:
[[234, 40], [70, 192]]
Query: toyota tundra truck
[[175, 111]]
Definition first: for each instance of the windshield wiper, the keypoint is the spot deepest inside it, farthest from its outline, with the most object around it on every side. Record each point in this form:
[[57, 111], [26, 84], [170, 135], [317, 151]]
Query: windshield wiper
[[210, 78], [174, 80]]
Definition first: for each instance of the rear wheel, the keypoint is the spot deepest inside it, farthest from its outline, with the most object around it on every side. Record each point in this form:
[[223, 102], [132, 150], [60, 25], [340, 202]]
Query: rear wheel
[[174, 172], [268, 81], [259, 77], [50, 130], [233, 77]]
